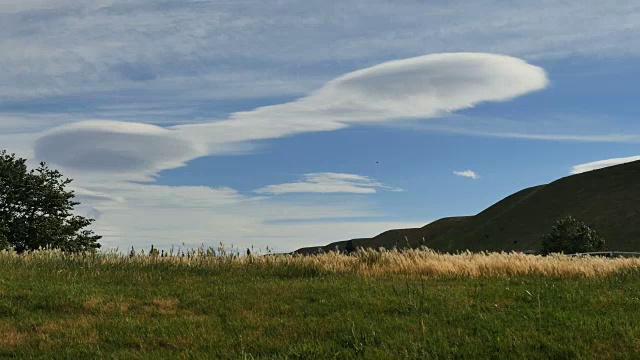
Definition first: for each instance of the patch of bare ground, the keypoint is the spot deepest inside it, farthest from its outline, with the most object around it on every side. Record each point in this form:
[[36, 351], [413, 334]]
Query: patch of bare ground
[[165, 306], [10, 337], [100, 305], [56, 333]]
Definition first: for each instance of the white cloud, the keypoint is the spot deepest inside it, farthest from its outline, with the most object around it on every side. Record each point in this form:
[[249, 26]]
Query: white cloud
[[560, 127], [327, 183], [577, 169], [21, 144], [17, 123], [607, 138], [421, 87], [83, 195], [498, 133], [467, 173], [550, 127]]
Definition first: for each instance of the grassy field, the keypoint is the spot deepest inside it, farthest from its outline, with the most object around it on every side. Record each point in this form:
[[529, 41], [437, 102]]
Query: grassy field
[[413, 305]]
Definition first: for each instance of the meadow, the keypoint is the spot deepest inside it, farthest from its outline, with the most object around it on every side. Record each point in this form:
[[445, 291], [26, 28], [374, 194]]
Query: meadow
[[415, 304]]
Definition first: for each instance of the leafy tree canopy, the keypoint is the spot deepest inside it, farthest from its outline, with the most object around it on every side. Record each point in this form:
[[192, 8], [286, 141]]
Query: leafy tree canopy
[[572, 236], [36, 209]]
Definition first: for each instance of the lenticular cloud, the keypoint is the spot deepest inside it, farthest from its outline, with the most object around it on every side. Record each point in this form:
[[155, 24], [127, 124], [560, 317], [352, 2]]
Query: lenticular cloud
[[578, 169], [421, 87], [117, 148]]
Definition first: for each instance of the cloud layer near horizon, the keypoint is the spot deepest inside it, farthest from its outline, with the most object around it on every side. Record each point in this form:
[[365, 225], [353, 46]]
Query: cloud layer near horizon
[[189, 216], [415, 88]]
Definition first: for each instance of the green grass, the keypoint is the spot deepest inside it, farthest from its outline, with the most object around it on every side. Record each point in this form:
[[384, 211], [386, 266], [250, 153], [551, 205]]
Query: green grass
[[64, 308]]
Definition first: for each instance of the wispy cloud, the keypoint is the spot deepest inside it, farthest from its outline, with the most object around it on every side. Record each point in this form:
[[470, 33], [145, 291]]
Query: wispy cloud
[[328, 183], [552, 127], [577, 169], [211, 49], [467, 173], [602, 138]]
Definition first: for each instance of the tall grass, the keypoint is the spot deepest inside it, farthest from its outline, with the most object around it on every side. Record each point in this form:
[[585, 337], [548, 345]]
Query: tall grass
[[415, 304], [413, 263]]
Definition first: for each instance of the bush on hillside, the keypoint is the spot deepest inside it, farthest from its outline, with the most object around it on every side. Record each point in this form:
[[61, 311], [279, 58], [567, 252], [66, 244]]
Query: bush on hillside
[[36, 210], [4, 243], [571, 236], [349, 248]]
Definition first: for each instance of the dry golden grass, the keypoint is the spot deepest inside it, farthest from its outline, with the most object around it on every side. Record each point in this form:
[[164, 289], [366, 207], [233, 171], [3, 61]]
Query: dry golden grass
[[423, 262], [100, 305], [68, 325], [10, 337], [55, 333], [430, 263], [92, 303], [165, 306]]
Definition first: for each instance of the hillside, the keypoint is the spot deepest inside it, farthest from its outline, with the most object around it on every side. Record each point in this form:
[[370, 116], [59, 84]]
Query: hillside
[[606, 199]]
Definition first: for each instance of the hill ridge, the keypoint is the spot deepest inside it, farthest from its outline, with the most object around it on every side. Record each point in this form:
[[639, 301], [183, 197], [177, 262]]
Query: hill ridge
[[606, 199]]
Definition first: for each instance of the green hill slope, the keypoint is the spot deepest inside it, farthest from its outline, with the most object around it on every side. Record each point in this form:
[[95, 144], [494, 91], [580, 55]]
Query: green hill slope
[[608, 200]]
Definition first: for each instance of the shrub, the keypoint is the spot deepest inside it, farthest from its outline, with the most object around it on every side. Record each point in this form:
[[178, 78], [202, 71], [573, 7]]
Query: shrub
[[4, 243], [349, 248], [36, 209], [570, 236]]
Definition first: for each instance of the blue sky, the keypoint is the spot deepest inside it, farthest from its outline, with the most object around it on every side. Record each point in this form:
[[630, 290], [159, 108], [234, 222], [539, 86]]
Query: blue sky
[[289, 123]]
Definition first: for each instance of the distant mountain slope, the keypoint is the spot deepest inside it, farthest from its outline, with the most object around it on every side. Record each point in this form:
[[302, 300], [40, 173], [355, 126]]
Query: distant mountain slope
[[608, 200]]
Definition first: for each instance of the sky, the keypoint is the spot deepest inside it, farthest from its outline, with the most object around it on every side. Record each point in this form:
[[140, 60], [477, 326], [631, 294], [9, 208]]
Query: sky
[[283, 124]]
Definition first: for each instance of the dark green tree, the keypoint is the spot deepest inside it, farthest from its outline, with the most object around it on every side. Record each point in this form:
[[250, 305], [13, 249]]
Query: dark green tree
[[36, 209], [571, 236]]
